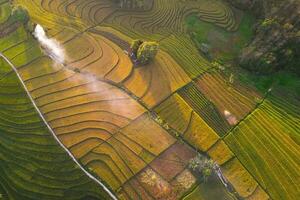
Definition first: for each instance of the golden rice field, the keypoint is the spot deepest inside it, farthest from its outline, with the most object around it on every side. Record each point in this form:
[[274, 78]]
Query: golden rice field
[[32, 164], [118, 121]]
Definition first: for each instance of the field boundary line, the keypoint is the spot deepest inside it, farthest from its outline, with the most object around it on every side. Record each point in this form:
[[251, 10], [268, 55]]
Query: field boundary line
[[248, 114], [52, 132], [235, 156]]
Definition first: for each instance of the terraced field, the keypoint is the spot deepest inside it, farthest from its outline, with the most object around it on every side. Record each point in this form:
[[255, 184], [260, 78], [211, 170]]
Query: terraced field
[[141, 24], [32, 164], [136, 128]]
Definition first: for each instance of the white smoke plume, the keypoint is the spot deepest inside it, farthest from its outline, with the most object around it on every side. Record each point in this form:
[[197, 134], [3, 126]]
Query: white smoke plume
[[51, 46]]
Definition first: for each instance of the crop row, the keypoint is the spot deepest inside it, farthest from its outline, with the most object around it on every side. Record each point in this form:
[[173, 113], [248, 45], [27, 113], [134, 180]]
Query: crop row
[[268, 144], [227, 94], [204, 108], [181, 116], [33, 166]]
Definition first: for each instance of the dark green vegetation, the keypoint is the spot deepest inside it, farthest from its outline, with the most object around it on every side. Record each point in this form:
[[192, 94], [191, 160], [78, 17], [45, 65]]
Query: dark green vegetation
[[20, 14], [5, 10], [11, 15], [276, 43], [285, 80], [216, 42]]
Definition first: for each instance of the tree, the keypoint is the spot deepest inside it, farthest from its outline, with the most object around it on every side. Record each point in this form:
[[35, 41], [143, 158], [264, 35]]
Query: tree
[[206, 172], [147, 51], [135, 46], [20, 14], [202, 165], [142, 52]]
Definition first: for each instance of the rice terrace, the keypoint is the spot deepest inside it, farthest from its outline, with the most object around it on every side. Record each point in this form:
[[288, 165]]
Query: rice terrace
[[149, 99]]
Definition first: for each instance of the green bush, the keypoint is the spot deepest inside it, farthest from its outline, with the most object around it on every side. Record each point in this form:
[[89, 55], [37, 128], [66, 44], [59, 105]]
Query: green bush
[[135, 46], [147, 51], [20, 14], [269, 22]]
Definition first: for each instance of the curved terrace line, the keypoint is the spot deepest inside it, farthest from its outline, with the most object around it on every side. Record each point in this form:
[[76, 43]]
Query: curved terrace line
[[52, 132]]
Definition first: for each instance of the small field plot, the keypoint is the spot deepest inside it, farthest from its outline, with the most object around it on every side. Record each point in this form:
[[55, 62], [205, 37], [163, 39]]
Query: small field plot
[[267, 143], [242, 181], [13, 38], [185, 53]]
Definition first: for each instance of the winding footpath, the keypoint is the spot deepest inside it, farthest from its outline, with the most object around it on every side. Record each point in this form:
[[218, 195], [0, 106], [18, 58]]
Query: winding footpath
[[52, 132]]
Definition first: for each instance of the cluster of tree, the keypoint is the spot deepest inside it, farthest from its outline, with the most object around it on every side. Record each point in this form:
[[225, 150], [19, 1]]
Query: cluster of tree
[[203, 166], [277, 37], [143, 52]]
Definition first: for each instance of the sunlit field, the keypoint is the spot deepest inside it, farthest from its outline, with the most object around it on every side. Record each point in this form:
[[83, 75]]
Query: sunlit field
[[82, 118]]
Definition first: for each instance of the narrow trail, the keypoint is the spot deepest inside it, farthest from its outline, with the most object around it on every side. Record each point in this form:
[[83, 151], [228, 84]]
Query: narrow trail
[[52, 132]]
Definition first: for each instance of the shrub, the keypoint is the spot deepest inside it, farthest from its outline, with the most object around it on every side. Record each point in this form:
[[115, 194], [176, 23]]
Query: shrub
[[135, 46], [202, 165], [20, 14], [269, 22], [147, 51]]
